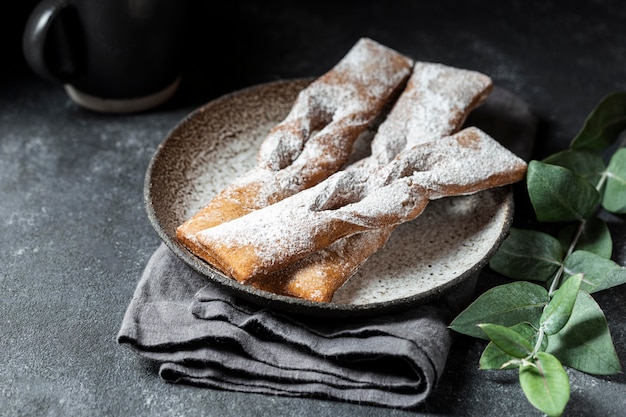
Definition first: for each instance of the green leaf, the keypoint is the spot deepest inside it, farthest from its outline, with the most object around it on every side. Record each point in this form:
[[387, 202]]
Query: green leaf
[[507, 339], [495, 358], [585, 342], [599, 273], [558, 194], [595, 237], [558, 311], [586, 164], [546, 384], [614, 198], [528, 255], [507, 305], [603, 125]]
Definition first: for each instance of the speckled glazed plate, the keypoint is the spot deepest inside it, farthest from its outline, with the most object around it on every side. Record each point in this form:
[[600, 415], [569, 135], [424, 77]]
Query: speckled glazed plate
[[438, 254]]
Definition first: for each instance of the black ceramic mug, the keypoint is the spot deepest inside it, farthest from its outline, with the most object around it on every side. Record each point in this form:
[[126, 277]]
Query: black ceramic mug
[[111, 55]]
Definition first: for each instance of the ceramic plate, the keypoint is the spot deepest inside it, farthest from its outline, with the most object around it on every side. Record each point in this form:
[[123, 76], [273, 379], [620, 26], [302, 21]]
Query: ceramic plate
[[439, 253]]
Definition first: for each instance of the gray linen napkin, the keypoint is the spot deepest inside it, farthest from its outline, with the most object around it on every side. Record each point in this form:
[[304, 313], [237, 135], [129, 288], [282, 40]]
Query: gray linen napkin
[[202, 335]]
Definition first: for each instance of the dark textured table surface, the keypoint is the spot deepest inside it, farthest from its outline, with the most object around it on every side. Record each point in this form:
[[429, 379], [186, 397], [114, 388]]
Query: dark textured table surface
[[74, 236]]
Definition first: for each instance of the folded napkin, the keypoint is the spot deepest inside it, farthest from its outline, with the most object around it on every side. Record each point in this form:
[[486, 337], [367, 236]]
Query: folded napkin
[[202, 335]]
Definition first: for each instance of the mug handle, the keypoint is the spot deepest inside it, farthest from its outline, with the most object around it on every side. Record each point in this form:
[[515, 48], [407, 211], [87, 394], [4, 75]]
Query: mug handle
[[51, 41]]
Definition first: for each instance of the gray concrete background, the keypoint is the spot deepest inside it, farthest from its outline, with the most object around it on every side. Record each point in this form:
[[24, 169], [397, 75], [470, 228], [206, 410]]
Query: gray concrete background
[[74, 236]]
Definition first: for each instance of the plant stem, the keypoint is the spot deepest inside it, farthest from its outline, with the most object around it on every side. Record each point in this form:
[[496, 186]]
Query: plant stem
[[556, 282], [601, 181], [538, 344], [579, 231]]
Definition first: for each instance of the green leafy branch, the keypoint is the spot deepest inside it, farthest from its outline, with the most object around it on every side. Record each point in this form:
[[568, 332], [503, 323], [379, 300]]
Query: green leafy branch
[[546, 319]]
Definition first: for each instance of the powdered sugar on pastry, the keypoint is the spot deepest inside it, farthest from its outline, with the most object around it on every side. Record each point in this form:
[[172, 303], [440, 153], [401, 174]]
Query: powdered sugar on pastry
[[435, 103], [272, 238], [347, 97], [314, 140]]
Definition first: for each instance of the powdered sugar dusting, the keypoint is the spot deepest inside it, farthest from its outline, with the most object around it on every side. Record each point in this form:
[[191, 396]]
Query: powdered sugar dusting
[[348, 202], [434, 104], [380, 192], [458, 164], [352, 92]]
